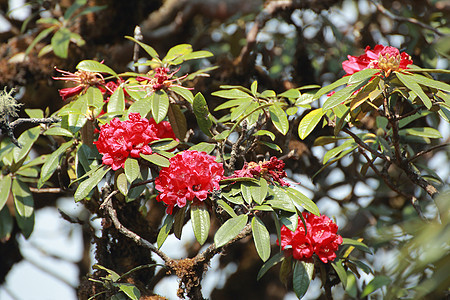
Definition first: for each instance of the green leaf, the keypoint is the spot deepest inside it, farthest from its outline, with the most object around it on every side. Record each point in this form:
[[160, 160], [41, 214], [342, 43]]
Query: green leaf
[[279, 119], [259, 192], [73, 8], [24, 205], [176, 53], [132, 169], [281, 199], [183, 92], [230, 103], [60, 42], [309, 122], [122, 184], [246, 192], [337, 265], [326, 89], [34, 113], [6, 224], [226, 208], [342, 95], [229, 230], [116, 102], [160, 105], [156, 159], [265, 132], [303, 273], [277, 258], [336, 150], [206, 147], [222, 136], [142, 106], [165, 230], [95, 66], [138, 189], [421, 131], [261, 238], [271, 146], [178, 121], [5, 187], [362, 76], [291, 93], [201, 112], [200, 222], [52, 163], [146, 47], [86, 186], [130, 290], [57, 130], [289, 219], [232, 94], [411, 84], [239, 111], [42, 35], [431, 82], [111, 274], [357, 244], [301, 200], [254, 87], [376, 283], [26, 140], [179, 222], [197, 55]]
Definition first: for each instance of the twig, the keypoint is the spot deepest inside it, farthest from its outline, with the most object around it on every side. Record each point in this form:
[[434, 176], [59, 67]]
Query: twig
[[138, 36], [387, 13], [45, 190], [419, 154], [364, 145], [34, 121]]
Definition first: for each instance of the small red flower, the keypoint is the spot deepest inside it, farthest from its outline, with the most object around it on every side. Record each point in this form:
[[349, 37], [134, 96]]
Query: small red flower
[[191, 176], [321, 238], [120, 139], [272, 170], [160, 79], [84, 79], [381, 57]]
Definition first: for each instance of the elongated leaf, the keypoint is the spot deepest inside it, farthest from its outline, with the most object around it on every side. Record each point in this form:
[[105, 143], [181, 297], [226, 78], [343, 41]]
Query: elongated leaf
[[301, 200], [42, 35], [178, 121], [376, 283], [324, 90], [95, 66], [200, 222], [337, 266], [227, 208], [6, 224], [201, 112], [422, 132], [198, 54], [277, 258], [116, 102], [26, 140], [342, 95], [179, 222], [357, 244], [86, 186], [265, 132], [232, 94], [132, 169], [122, 184], [335, 151], [60, 42], [279, 119], [230, 229], [259, 192], [239, 111], [156, 159], [57, 130], [301, 277], [52, 163], [289, 219], [5, 187], [309, 122], [431, 82], [246, 192], [362, 75], [281, 199], [142, 106], [160, 105], [411, 84], [146, 47], [73, 8], [24, 205], [206, 147], [183, 92], [177, 52], [165, 230], [130, 290], [261, 238]]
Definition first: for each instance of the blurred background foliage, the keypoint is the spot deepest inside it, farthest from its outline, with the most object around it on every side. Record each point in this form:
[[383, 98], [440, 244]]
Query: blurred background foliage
[[281, 44]]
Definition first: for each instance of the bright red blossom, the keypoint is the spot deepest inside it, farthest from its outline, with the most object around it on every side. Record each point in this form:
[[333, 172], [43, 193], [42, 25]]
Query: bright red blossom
[[191, 176], [120, 139], [83, 79], [321, 238], [272, 170], [386, 58]]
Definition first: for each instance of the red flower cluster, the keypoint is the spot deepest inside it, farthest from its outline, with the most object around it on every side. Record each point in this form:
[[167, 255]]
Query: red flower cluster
[[120, 139], [387, 59], [191, 176], [272, 170], [320, 238], [161, 79], [84, 79]]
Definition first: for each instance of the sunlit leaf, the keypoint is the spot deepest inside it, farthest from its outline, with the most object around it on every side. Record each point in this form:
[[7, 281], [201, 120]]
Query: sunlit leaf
[[303, 273], [230, 229], [95, 66], [200, 222], [261, 238], [309, 122]]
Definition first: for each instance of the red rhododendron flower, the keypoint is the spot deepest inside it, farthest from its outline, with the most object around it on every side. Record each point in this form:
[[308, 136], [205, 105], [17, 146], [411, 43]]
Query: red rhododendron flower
[[120, 139], [191, 176], [321, 238], [386, 58], [84, 79], [272, 170]]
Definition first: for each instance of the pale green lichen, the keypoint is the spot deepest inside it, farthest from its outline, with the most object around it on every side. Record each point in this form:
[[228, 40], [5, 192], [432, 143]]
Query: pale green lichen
[[8, 105]]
